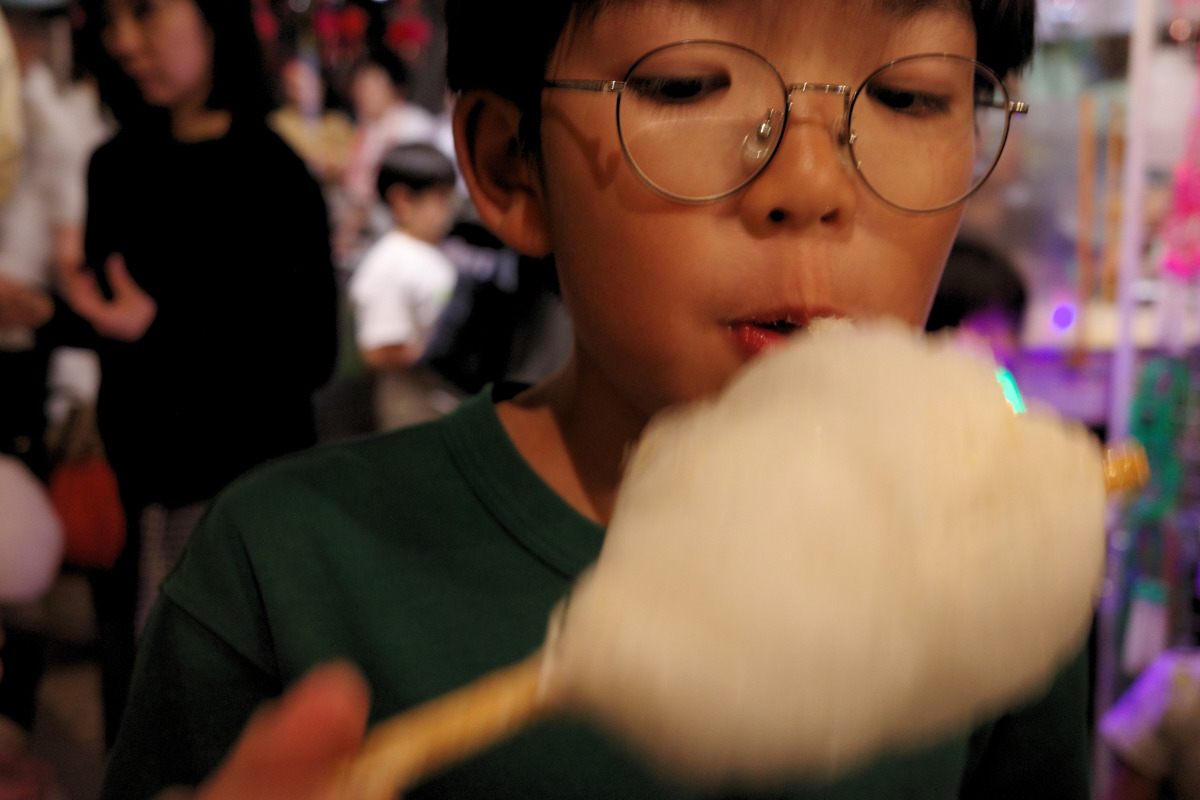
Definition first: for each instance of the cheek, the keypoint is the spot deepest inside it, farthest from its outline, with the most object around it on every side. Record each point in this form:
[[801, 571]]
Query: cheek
[[186, 52], [915, 250]]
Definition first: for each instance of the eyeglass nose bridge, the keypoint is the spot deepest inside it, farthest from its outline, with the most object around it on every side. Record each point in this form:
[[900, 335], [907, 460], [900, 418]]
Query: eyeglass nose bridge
[[841, 124]]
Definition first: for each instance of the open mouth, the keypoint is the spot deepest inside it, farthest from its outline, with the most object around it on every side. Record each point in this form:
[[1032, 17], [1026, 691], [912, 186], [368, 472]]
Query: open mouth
[[782, 326], [756, 335]]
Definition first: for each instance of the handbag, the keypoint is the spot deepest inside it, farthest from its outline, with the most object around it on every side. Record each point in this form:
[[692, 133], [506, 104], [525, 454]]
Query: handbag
[[84, 493]]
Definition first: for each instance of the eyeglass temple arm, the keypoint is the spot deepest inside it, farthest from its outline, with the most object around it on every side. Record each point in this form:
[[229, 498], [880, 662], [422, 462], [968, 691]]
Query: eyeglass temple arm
[[607, 87]]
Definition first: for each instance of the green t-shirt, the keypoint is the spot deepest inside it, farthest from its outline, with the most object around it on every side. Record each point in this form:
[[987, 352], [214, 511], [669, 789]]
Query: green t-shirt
[[428, 557]]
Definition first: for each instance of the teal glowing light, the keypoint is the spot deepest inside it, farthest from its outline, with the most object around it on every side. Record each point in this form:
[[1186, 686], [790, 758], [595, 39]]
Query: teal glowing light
[[1011, 393]]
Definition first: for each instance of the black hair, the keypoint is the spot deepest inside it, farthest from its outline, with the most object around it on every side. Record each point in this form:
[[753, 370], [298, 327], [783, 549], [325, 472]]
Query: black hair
[[389, 62], [977, 278], [417, 166], [17, 13], [239, 80], [504, 45]]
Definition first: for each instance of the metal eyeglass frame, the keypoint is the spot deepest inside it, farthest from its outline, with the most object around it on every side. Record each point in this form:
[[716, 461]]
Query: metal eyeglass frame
[[846, 137]]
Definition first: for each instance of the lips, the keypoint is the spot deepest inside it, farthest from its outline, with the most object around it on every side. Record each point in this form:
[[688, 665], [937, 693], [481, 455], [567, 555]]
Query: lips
[[756, 335]]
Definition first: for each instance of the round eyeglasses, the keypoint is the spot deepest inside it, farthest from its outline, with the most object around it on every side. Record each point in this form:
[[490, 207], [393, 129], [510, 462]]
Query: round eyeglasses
[[699, 120]]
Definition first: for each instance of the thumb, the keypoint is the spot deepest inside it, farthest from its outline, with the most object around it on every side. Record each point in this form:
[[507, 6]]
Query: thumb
[[292, 747], [118, 274]]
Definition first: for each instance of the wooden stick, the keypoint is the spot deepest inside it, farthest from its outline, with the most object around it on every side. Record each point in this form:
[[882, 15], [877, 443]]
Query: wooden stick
[[402, 751]]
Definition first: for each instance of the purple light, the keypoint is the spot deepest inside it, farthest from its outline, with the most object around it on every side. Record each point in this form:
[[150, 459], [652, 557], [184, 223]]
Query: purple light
[[1063, 316]]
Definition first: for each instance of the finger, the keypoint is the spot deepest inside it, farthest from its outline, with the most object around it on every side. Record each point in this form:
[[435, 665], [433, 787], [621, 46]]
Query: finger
[[325, 712], [118, 274], [292, 747]]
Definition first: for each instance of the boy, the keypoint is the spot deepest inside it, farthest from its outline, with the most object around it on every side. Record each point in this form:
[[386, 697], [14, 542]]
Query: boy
[[404, 283], [378, 91], [684, 247]]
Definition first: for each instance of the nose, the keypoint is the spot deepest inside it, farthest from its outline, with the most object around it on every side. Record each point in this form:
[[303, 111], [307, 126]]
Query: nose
[[808, 180], [121, 37]]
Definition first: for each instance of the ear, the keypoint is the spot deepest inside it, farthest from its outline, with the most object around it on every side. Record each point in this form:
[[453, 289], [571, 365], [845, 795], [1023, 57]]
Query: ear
[[504, 185]]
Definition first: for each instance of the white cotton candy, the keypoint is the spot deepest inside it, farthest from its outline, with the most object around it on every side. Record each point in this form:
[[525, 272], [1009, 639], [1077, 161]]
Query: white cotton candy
[[857, 547]]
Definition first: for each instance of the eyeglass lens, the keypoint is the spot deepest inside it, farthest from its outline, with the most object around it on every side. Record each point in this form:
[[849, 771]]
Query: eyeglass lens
[[700, 120]]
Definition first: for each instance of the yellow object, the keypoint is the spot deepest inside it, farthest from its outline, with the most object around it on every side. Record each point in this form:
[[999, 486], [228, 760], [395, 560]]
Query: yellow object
[[12, 136], [1125, 467]]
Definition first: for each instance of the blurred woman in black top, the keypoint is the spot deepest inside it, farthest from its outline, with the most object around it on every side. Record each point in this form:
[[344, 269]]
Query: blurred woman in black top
[[208, 282]]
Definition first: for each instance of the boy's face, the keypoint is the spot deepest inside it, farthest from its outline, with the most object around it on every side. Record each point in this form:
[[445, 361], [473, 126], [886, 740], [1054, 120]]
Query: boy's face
[[425, 215], [670, 299]]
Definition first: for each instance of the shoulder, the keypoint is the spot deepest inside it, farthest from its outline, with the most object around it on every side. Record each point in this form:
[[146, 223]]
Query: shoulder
[[344, 473], [419, 256], [117, 149], [268, 148], [315, 504], [410, 122], [379, 261]]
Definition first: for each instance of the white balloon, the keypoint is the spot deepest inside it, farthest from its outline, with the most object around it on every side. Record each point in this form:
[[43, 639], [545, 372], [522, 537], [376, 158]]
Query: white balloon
[[31, 538]]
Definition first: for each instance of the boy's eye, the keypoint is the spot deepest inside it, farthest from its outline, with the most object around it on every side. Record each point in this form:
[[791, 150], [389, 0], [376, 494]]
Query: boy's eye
[[909, 101], [678, 89]]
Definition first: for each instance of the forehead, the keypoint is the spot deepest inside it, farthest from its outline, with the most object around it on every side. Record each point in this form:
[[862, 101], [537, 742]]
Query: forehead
[[587, 11], [870, 31]]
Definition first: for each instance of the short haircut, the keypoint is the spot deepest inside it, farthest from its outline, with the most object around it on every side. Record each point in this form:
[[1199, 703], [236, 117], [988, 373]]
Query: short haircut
[[239, 78], [504, 45], [977, 278], [417, 167]]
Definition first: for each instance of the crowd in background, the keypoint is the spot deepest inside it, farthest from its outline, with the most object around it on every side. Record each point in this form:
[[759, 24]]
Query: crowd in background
[[203, 267]]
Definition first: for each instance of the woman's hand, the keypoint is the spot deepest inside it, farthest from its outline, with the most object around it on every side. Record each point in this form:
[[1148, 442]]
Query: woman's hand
[[126, 316], [295, 748]]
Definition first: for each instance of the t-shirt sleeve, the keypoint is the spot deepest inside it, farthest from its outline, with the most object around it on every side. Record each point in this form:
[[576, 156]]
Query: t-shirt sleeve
[[195, 682], [1039, 751], [191, 696], [1132, 727]]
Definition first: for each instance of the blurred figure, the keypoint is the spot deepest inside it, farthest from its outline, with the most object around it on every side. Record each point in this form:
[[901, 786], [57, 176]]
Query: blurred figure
[[30, 547], [319, 136], [403, 284], [1154, 729], [12, 134], [982, 298], [40, 227], [208, 283], [378, 86]]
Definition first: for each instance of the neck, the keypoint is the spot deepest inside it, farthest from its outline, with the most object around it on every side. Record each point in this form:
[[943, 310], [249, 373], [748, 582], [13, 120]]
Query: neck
[[198, 124], [417, 235], [576, 444]]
